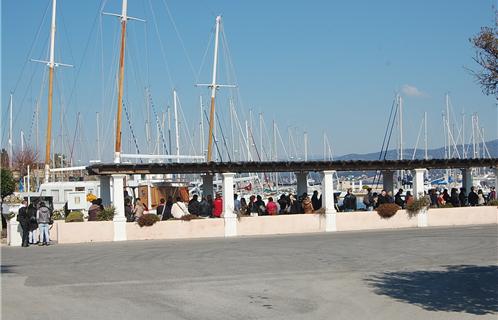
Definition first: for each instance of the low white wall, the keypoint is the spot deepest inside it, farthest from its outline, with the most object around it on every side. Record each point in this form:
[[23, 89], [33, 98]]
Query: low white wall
[[281, 224], [370, 220], [463, 216], [177, 229], [98, 231]]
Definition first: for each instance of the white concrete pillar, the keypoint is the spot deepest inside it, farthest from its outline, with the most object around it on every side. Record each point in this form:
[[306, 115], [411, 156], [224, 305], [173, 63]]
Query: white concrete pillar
[[105, 190], [302, 182], [228, 205], [118, 202], [207, 185], [467, 181], [388, 180], [14, 238], [328, 200], [418, 183]]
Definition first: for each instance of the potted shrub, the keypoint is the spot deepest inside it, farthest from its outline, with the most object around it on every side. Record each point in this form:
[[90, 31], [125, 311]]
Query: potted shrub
[[387, 210], [422, 203], [107, 214], [147, 220], [75, 216]]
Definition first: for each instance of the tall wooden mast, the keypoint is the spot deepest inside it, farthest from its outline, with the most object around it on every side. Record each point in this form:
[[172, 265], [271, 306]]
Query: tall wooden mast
[[214, 86], [124, 18]]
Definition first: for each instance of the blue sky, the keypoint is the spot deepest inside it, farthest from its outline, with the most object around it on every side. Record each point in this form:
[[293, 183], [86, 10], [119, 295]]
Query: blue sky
[[311, 66]]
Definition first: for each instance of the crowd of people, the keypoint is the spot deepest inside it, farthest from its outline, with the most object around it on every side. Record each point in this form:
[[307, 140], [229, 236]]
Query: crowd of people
[[460, 198], [33, 218]]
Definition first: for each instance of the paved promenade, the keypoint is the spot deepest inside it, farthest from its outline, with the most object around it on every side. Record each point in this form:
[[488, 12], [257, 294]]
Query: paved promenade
[[427, 273]]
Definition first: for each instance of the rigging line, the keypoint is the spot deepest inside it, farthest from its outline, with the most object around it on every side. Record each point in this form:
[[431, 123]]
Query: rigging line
[[78, 70], [131, 129], [208, 46], [74, 138], [161, 132], [26, 60], [418, 138], [223, 137], [392, 118], [215, 142], [186, 125], [161, 45], [179, 37]]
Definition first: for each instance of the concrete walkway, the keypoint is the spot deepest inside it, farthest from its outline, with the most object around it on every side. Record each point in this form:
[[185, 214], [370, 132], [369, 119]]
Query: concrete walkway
[[404, 274]]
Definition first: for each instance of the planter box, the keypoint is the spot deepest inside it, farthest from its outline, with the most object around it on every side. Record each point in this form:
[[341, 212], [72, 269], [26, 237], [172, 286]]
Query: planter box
[[177, 229], [463, 216], [370, 220], [79, 232], [281, 224]]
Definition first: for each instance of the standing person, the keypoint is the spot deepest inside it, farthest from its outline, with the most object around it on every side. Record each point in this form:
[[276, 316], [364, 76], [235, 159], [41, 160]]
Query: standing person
[[446, 195], [179, 209], [236, 203], [217, 206], [382, 198], [390, 197], [317, 202], [440, 200], [33, 224], [463, 197], [492, 194], [194, 206], [43, 217], [244, 209], [23, 218], [454, 199], [94, 210], [260, 204], [307, 205], [398, 198], [139, 208], [283, 204], [480, 198], [271, 207], [408, 198], [368, 200], [161, 207], [349, 202], [130, 217], [433, 197], [473, 198]]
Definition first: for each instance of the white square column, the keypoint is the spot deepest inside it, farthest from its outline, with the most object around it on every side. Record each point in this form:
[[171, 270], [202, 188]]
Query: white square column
[[388, 180], [118, 198], [418, 183], [228, 205], [14, 237], [328, 200], [207, 185], [302, 182], [105, 190]]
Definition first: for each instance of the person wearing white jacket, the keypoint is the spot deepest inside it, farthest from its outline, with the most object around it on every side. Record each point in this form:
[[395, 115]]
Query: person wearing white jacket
[[179, 209]]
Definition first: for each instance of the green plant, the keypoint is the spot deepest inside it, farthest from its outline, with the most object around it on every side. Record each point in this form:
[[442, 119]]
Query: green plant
[[57, 215], [147, 220], [492, 202], [414, 207], [387, 210], [7, 184], [107, 214], [446, 205], [75, 216], [365, 187]]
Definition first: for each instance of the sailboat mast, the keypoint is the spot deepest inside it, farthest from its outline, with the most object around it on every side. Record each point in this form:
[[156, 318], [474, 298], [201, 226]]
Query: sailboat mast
[[425, 136], [98, 137], [213, 90], [11, 138], [177, 135], [51, 65], [124, 18]]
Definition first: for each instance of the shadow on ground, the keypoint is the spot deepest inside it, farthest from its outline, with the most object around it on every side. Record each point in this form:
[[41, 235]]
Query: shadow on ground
[[461, 288], [6, 268]]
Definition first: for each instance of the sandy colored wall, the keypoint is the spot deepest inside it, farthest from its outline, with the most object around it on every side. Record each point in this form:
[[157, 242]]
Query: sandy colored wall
[[462, 216], [282, 224], [176, 229], [370, 220], [78, 232]]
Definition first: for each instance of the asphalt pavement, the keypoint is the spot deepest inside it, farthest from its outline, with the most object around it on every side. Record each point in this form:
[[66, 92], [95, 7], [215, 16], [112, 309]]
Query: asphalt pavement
[[429, 273]]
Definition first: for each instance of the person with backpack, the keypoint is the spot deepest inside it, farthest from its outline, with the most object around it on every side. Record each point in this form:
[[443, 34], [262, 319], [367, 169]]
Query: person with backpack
[[43, 217], [349, 201], [368, 200]]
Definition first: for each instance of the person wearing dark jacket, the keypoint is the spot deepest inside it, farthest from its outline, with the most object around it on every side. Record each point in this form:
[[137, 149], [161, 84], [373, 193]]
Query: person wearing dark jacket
[[282, 202], [463, 197], [130, 217], [205, 208], [167, 210], [454, 200], [398, 198], [315, 201], [349, 201], [194, 205], [33, 224], [23, 218], [473, 197], [382, 198]]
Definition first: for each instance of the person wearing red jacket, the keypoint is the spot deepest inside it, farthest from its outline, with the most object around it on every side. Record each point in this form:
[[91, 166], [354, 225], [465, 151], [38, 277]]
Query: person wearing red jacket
[[271, 207], [217, 206]]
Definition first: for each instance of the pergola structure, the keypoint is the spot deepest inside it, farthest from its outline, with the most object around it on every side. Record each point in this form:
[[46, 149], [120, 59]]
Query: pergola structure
[[118, 171]]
